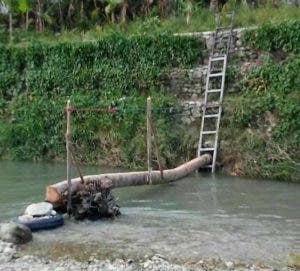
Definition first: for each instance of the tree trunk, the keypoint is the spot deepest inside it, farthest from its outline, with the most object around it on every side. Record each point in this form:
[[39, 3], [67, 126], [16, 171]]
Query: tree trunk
[[70, 11], [163, 6], [61, 17], [27, 20], [214, 6], [81, 11], [124, 8], [56, 193], [38, 19], [146, 6], [112, 16], [189, 8], [10, 27]]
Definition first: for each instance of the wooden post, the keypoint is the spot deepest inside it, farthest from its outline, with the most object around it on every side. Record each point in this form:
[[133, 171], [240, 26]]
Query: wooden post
[[149, 134], [68, 149], [76, 162], [156, 145]]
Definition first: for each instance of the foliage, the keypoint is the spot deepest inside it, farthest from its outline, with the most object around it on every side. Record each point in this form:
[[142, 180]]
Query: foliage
[[266, 116], [64, 20], [284, 35], [116, 71]]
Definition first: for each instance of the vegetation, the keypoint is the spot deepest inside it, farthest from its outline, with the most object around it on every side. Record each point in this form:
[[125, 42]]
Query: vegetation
[[262, 123], [118, 71], [68, 20], [260, 129], [283, 35]]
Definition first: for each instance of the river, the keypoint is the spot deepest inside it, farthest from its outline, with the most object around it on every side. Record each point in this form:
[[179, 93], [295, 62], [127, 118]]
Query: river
[[199, 216]]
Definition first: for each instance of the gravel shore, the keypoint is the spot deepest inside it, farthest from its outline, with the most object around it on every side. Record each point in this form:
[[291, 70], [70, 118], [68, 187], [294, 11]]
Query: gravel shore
[[12, 260]]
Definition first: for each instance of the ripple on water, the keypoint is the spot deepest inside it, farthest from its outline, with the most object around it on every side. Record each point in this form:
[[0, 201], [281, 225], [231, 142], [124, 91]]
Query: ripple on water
[[193, 218]]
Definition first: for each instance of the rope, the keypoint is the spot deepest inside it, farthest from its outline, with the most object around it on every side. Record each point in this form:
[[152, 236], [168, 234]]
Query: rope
[[171, 110], [106, 110]]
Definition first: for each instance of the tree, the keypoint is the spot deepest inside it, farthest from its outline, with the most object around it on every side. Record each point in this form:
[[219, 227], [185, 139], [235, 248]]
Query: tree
[[214, 5], [189, 9], [38, 16]]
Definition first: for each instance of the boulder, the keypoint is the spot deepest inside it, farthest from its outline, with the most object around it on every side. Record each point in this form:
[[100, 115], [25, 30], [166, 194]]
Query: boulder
[[15, 233], [39, 209]]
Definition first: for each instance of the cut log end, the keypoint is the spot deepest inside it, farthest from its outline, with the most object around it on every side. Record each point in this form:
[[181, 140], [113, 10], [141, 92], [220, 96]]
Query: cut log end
[[53, 196]]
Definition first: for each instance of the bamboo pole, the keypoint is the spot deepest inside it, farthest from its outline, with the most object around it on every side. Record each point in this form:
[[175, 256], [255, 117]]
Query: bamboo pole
[[149, 134], [68, 149]]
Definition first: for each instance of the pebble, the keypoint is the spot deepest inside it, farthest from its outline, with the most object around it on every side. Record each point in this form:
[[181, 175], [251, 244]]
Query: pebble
[[11, 261], [229, 265]]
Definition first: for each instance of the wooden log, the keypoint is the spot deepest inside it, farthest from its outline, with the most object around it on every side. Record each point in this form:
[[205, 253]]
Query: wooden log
[[57, 192]]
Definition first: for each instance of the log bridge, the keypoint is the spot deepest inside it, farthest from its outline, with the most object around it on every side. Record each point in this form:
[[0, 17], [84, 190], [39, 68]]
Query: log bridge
[[58, 193], [90, 196]]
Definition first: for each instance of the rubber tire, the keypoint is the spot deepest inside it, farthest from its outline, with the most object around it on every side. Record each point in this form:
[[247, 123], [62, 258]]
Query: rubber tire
[[43, 223]]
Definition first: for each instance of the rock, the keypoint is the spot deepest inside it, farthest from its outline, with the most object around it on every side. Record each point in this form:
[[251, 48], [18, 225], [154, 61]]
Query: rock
[[160, 256], [229, 265], [15, 233], [147, 264], [238, 43], [7, 252], [209, 42], [39, 209], [129, 261]]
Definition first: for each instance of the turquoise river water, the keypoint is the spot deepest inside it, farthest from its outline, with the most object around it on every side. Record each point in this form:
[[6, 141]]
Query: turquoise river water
[[199, 216]]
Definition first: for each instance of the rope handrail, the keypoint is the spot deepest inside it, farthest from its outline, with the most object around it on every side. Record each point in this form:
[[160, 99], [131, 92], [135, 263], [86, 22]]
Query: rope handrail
[[176, 110]]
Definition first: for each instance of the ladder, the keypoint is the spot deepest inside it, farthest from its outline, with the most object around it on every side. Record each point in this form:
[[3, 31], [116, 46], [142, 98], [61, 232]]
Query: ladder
[[214, 89]]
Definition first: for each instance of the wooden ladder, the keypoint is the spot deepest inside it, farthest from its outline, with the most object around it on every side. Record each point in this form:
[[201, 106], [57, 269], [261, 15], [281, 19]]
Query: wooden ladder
[[214, 89]]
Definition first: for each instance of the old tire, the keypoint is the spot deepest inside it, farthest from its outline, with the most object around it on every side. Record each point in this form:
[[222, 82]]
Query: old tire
[[43, 223]]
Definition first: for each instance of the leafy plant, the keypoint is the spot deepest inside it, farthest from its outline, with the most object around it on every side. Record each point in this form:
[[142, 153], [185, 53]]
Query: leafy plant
[[284, 35], [116, 71]]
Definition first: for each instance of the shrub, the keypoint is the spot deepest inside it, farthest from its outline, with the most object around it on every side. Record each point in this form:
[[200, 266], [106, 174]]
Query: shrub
[[37, 80], [283, 35]]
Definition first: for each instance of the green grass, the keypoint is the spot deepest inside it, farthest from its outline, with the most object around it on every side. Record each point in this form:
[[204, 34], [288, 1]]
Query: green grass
[[202, 20], [257, 16]]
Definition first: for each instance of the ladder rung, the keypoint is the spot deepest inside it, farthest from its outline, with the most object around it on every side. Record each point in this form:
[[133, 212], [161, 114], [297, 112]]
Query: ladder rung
[[213, 90], [211, 116], [223, 27], [212, 105], [209, 132], [217, 58], [216, 74], [207, 149]]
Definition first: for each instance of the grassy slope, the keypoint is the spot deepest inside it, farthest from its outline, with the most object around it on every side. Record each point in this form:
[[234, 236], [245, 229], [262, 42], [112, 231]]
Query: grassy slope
[[202, 20]]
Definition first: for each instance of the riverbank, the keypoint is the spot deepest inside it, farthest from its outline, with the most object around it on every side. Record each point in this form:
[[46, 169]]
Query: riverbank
[[11, 258], [116, 74]]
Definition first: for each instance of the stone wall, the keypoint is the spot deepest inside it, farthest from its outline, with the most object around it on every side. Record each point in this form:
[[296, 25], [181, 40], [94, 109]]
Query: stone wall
[[189, 85]]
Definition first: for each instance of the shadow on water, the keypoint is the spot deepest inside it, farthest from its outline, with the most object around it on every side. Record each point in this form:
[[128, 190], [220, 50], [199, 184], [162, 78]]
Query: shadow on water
[[199, 216]]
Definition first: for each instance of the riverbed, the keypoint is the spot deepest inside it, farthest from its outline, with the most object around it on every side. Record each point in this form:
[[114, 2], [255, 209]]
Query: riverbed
[[201, 216]]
